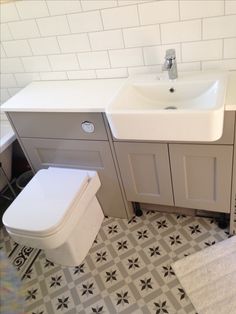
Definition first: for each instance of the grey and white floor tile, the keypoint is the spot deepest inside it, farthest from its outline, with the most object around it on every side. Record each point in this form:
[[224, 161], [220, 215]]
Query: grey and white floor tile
[[21, 257], [128, 269]]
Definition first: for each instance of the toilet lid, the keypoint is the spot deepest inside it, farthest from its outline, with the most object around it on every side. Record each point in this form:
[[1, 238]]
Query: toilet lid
[[46, 200]]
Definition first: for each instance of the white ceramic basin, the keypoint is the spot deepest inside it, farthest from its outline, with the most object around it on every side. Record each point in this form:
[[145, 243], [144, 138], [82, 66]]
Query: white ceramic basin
[[152, 107]]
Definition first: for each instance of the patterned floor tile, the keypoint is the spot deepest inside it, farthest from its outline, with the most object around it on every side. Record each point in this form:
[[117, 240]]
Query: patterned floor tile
[[111, 277], [63, 302], [99, 307], [21, 257], [126, 271]]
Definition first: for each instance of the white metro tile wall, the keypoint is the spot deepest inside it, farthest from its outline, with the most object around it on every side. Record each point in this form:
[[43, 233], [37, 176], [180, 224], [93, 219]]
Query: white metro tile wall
[[81, 74], [25, 78], [64, 62], [7, 80], [11, 65], [120, 17], [2, 52], [197, 9], [126, 57], [17, 48], [142, 36], [230, 47], [230, 7], [95, 5], [202, 50], [53, 76], [74, 43], [24, 29], [56, 25], [91, 39], [227, 64], [12, 91], [106, 40], [94, 60], [181, 31], [34, 64], [59, 7], [5, 33], [219, 27], [85, 22], [110, 73], [8, 13], [31, 9], [44, 46], [158, 12], [4, 94], [129, 2]]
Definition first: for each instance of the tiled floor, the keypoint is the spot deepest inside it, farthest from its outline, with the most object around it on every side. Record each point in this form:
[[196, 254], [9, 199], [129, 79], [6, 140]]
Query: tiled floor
[[128, 269]]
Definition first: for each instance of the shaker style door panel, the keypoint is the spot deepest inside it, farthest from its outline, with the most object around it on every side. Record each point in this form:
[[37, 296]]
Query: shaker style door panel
[[201, 176], [61, 125], [145, 172], [90, 155]]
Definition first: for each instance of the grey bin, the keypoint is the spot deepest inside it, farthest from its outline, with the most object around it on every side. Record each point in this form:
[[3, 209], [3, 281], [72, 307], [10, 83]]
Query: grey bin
[[24, 179]]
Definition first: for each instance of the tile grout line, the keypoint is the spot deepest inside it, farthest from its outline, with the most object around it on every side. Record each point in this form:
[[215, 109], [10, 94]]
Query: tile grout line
[[122, 27], [118, 49]]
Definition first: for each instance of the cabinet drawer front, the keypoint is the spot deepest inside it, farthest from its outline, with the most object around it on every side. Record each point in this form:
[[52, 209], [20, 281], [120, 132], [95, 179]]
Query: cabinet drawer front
[[61, 125], [201, 176], [90, 155], [145, 172]]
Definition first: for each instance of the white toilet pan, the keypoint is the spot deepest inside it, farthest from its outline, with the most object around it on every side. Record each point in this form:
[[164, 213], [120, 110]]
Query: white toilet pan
[[58, 212]]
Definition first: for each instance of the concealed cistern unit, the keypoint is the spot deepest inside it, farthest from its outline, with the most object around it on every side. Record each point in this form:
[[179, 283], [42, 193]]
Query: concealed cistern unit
[[170, 64]]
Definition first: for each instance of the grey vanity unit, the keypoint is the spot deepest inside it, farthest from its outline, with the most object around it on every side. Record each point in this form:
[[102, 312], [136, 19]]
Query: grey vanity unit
[[58, 139], [188, 175]]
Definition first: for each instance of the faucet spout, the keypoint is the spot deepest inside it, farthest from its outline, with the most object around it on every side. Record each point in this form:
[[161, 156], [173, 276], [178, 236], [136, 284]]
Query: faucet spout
[[170, 64]]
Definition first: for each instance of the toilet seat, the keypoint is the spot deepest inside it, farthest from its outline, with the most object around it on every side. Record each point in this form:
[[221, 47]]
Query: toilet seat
[[61, 214]]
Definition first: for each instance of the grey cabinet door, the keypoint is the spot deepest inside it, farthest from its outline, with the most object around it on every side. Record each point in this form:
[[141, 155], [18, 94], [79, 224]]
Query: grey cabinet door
[[91, 155], [201, 176], [145, 172]]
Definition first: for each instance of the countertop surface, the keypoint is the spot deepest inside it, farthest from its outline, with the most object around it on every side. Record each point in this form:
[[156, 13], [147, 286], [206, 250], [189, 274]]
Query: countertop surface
[[81, 96], [64, 96]]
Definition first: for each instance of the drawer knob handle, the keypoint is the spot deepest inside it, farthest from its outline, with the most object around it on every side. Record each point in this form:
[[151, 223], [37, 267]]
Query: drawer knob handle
[[88, 127]]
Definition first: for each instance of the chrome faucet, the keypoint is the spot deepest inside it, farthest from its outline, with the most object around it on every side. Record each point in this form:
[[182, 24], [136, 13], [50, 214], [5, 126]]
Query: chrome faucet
[[170, 64]]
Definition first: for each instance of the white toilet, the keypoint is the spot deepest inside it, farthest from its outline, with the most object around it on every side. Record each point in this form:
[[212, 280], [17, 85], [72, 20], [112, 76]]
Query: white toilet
[[58, 212]]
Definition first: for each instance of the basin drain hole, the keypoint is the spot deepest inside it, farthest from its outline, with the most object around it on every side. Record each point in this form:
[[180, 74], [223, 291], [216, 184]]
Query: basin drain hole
[[170, 108]]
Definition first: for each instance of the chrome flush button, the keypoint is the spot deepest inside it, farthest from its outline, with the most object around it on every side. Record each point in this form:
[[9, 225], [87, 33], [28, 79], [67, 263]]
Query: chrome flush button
[[88, 127]]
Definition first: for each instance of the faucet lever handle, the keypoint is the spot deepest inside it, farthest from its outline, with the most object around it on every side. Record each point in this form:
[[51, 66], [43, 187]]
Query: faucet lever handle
[[167, 64], [170, 54]]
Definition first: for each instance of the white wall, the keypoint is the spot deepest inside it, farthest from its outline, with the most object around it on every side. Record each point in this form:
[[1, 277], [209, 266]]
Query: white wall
[[82, 39]]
